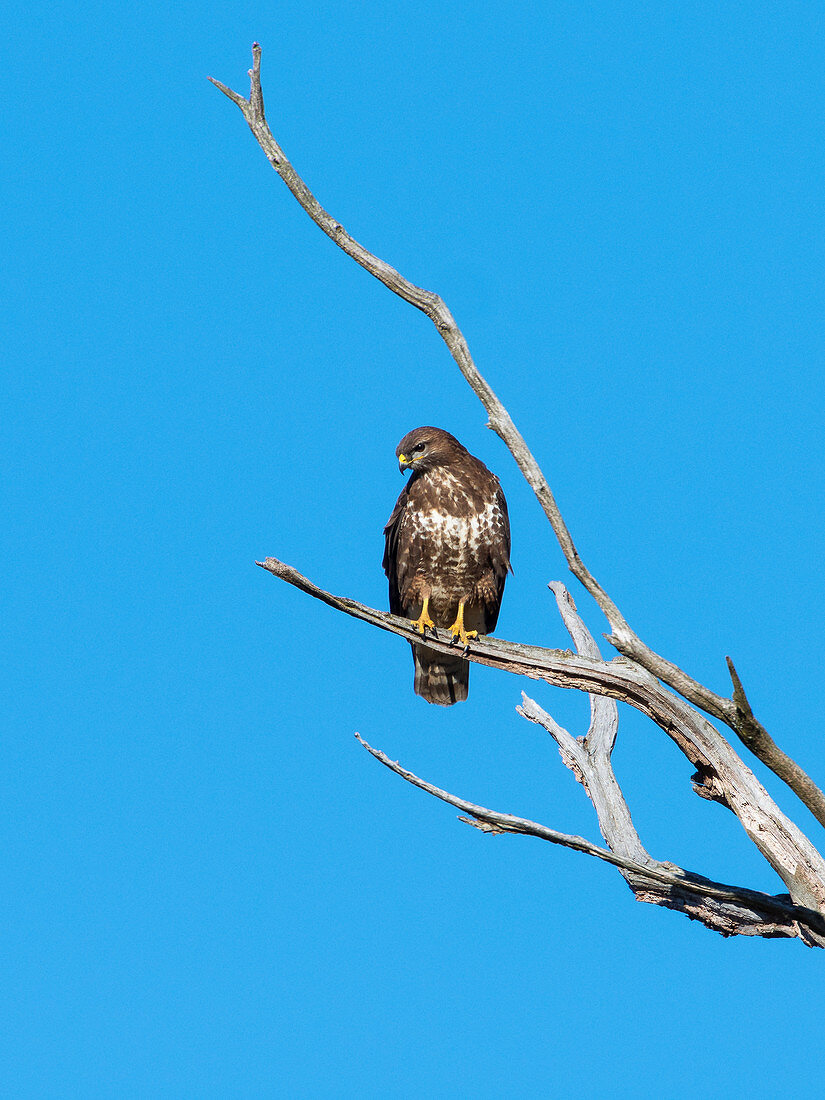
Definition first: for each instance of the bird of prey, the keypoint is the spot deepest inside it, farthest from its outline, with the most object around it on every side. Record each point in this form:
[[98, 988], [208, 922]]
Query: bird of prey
[[446, 554]]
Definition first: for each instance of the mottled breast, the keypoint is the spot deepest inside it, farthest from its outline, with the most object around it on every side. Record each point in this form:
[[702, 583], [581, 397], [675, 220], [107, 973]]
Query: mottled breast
[[457, 525]]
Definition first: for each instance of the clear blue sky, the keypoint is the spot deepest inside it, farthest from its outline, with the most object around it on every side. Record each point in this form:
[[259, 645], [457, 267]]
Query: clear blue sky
[[209, 889]]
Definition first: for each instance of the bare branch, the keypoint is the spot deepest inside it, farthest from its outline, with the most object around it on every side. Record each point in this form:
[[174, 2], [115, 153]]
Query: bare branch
[[727, 909], [623, 637], [762, 745], [238, 100], [603, 716], [590, 760], [593, 753], [595, 773], [720, 772]]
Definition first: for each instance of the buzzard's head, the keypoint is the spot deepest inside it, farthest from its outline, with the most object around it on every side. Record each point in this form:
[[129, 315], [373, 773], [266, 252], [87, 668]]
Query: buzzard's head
[[425, 448]]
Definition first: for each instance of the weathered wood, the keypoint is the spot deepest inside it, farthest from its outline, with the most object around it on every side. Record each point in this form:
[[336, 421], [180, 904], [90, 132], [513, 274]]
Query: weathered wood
[[787, 849], [729, 910], [626, 641], [637, 677]]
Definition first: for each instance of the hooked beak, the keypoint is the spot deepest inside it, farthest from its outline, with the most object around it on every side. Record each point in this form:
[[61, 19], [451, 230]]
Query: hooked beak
[[403, 463]]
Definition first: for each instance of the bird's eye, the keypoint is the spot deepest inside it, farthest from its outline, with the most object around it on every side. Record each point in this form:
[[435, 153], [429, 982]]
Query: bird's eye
[[419, 447]]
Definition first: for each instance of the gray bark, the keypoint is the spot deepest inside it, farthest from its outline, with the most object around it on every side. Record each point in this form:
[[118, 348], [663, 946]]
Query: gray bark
[[639, 677]]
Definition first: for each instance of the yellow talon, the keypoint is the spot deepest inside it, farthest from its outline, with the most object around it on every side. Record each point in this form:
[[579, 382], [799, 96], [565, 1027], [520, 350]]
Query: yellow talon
[[424, 622], [459, 634]]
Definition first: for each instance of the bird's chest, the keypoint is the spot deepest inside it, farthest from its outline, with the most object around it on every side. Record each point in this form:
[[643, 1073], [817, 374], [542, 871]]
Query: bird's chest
[[451, 536]]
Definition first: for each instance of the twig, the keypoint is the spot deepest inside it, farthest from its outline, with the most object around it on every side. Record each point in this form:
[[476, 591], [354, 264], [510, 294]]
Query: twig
[[762, 745]]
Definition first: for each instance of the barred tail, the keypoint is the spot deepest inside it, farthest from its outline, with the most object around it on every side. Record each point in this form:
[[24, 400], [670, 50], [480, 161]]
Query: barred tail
[[439, 679]]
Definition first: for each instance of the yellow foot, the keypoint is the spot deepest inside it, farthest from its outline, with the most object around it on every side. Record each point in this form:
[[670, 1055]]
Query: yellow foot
[[459, 634], [462, 635], [424, 623]]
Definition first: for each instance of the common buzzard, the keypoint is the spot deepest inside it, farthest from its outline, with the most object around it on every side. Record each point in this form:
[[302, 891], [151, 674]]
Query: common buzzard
[[446, 554]]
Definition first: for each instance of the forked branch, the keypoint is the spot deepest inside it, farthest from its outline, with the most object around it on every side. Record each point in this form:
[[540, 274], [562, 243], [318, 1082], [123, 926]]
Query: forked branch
[[720, 774]]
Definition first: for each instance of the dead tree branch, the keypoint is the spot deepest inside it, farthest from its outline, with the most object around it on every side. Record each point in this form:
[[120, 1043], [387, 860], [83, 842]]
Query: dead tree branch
[[633, 678], [589, 758], [625, 640], [729, 910], [720, 774]]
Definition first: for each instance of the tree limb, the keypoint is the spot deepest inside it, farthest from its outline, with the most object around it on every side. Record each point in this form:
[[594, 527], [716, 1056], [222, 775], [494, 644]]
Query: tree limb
[[721, 774], [592, 754], [625, 640], [589, 758], [730, 910], [754, 735]]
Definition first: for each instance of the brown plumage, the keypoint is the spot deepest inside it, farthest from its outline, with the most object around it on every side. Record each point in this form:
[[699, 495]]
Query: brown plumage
[[446, 554]]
